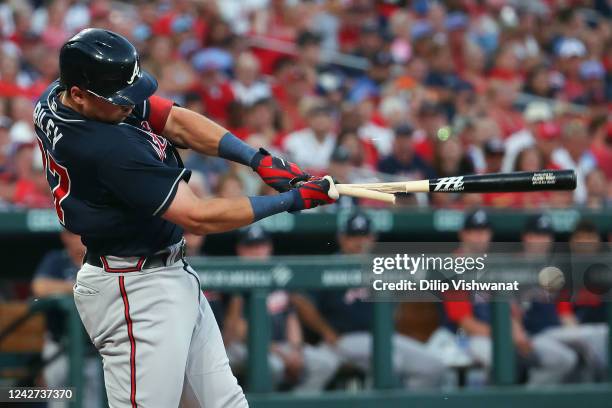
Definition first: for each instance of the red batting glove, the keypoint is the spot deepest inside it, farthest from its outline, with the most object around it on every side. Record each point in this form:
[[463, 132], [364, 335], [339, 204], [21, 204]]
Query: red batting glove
[[311, 194], [276, 172]]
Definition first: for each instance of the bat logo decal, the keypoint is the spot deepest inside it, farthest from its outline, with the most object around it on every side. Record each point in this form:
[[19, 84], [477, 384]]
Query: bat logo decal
[[449, 184]]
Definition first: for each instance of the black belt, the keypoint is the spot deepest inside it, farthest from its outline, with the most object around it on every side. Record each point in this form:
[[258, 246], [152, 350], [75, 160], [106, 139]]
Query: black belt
[[157, 260]]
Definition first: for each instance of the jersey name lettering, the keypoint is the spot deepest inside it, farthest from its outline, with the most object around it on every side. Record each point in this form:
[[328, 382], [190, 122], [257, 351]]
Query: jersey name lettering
[[46, 125]]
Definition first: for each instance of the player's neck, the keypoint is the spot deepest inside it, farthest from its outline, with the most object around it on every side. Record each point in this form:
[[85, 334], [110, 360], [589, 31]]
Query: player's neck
[[68, 102]]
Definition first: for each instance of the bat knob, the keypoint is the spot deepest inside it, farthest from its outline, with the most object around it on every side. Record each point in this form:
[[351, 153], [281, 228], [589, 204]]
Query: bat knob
[[333, 191]]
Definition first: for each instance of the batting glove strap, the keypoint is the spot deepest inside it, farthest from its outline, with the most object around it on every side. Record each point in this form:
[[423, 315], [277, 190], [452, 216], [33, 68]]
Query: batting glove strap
[[311, 194], [274, 171]]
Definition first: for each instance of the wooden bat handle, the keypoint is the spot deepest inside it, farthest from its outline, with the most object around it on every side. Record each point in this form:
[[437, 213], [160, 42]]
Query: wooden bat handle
[[418, 186], [335, 190]]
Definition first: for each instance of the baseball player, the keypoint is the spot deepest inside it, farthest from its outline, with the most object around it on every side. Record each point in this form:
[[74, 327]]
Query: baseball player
[[109, 149], [292, 362], [343, 320], [55, 275], [549, 361]]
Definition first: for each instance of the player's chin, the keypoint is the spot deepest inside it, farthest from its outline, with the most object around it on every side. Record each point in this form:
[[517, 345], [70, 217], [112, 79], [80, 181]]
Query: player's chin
[[114, 119]]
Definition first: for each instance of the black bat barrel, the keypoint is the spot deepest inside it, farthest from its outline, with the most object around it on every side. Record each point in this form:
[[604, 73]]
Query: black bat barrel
[[506, 182]]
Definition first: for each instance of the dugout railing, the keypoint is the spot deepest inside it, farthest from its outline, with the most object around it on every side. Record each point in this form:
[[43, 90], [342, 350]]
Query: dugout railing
[[256, 279]]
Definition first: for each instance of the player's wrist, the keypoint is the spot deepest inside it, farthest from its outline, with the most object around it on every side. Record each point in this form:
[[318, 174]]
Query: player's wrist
[[265, 206], [234, 149], [258, 157]]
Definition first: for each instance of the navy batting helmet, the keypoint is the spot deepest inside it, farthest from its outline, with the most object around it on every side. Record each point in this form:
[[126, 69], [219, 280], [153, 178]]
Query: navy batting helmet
[[107, 65]]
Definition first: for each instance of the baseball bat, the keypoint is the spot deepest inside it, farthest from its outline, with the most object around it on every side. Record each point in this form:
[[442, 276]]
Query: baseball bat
[[335, 190], [479, 183]]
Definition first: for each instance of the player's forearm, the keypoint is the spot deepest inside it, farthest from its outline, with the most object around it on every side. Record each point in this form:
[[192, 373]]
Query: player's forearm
[[294, 331], [475, 327], [42, 287], [568, 319], [216, 215], [190, 129], [310, 316]]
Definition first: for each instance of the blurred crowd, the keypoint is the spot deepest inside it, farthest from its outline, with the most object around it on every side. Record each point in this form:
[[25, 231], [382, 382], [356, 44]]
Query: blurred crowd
[[363, 90]]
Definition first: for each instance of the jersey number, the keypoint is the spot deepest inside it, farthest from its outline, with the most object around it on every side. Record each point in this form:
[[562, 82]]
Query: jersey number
[[62, 189]]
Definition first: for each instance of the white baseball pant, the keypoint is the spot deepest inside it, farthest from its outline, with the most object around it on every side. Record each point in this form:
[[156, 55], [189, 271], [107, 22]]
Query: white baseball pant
[[556, 360], [417, 366], [159, 341]]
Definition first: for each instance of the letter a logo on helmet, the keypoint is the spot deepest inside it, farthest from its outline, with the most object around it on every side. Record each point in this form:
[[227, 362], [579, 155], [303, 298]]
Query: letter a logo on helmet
[[134, 73]]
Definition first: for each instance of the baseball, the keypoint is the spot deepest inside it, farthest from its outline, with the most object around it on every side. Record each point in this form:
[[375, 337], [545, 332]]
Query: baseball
[[551, 278]]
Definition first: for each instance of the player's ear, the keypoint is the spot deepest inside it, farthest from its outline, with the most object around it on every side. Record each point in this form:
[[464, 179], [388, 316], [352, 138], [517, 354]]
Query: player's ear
[[77, 94]]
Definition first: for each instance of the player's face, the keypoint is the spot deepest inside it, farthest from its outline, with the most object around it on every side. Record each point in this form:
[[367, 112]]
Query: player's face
[[356, 244], [100, 109], [97, 108], [475, 240], [255, 251], [585, 243], [537, 244]]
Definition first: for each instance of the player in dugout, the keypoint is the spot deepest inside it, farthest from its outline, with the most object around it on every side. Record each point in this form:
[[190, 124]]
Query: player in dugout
[[549, 361], [293, 363], [56, 275], [343, 320]]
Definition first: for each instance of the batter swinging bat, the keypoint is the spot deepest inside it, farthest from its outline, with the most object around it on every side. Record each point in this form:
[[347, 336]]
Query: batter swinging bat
[[481, 183]]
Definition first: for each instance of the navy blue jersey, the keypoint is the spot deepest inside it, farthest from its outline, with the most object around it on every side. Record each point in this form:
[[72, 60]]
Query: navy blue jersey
[[540, 316], [345, 310], [56, 265], [279, 309], [110, 182]]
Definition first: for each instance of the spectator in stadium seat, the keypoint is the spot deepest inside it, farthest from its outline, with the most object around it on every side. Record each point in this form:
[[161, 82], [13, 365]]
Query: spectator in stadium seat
[[230, 186], [213, 87], [343, 320], [538, 82], [31, 188], [369, 85], [540, 130], [363, 155], [7, 173], [600, 130], [450, 159], [56, 275], [501, 99], [596, 91], [570, 53], [575, 153], [494, 154], [248, 87], [404, 161], [471, 316], [309, 51], [305, 367], [291, 86], [597, 190], [528, 159], [430, 119], [263, 125], [311, 148]]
